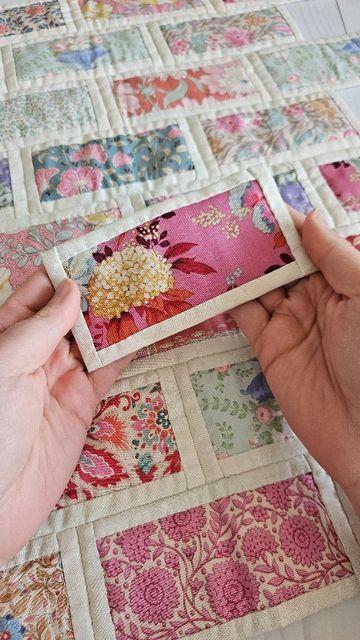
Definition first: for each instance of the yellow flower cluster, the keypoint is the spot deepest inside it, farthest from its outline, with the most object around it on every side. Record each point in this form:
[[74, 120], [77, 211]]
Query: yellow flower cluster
[[129, 278], [208, 218], [232, 230]]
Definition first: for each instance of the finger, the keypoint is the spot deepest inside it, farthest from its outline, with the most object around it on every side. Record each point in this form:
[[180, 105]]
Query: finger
[[338, 261], [102, 379], [27, 299], [252, 319], [270, 301], [28, 344], [298, 219]]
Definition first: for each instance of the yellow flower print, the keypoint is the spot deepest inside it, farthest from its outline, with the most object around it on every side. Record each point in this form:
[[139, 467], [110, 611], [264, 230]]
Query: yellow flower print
[[209, 218], [254, 20], [325, 109], [101, 217], [129, 278], [96, 10], [232, 230]]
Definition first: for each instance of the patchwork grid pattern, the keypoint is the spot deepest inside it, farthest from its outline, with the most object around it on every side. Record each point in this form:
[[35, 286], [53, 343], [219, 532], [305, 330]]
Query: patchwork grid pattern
[[108, 111]]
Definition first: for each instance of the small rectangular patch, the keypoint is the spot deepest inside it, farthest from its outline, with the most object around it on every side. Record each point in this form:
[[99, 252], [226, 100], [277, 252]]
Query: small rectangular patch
[[105, 9], [222, 33], [253, 133], [293, 192], [239, 409], [35, 113], [343, 178], [110, 162], [200, 568], [187, 88], [33, 17], [79, 53], [6, 195]]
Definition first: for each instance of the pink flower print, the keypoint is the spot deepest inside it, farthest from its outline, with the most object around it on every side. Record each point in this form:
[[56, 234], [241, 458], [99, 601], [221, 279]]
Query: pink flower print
[[308, 480], [179, 46], [116, 597], [253, 196], [76, 181], [43, 177], [285, 593], [136, 542], [256, 542], [91, 151], [174, 133], [292, 78], [301, 540], [213, 43], [311, 508], [59, 47], [230, 124], [153, 595], [237, 37], [225, 548], [223, 369], [185, 524], [295, 111], [3, 29], [121, 159], [189, 552], [195, 586], [112, 567], [259, 513], [171, 560], [354, 59], [264, 414], [35, 10], [277, 494], [128, 100], [233, 591]]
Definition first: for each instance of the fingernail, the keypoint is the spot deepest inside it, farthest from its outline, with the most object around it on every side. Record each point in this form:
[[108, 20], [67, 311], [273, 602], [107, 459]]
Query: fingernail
[[320, 218]]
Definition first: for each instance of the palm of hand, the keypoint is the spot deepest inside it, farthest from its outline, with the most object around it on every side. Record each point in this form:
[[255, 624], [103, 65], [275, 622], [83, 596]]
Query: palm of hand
[[47, 402]]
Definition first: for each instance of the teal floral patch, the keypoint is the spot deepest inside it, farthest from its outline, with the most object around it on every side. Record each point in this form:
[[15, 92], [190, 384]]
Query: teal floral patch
[[69, 170], [35, 17], [79, 53], [238, 407], [314, 64], [39, 112]]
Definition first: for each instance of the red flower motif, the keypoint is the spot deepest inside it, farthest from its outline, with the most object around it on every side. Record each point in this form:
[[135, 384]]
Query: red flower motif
[[136, 542], [259, 513], [277, 494], [153, 595], [233, 591], [256, 542], [184, 525], [284, 593], [116, 597], [35, 10], [301, 540]]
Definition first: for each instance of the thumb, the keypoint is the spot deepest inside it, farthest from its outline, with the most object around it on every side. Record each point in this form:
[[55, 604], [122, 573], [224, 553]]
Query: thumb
[[28, 344], [338, 261]]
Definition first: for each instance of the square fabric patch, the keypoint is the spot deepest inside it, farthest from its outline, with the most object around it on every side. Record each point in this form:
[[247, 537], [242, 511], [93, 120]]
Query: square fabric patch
[[199, 568], [130, 442], [238, 407], [34, 17], [343, 179], [34, 601], [162, 269]]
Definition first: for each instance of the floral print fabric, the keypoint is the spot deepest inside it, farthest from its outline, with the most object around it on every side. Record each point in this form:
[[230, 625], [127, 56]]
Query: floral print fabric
[[80, 53], [177, 261], [314, 64], [41, 112], [217, 34], [343, 179], [69, 170], [210, 564], [34, 17], [93, 10], [187, 88], [292, 192], [34, 601], [238, 407], [251, 134], [130, 442], [6, 197]]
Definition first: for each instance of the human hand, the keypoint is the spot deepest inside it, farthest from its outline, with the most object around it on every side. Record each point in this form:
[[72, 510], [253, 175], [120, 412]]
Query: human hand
[[307, 339], [47, 403]]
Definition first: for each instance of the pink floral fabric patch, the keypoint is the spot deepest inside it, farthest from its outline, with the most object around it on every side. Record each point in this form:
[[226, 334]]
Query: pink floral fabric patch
[[130, 442], [183, 88], [210, 564], [343, 179], [177, 261]]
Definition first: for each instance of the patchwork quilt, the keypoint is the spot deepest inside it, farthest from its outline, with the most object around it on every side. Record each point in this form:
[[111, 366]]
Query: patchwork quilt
[[148, 151]]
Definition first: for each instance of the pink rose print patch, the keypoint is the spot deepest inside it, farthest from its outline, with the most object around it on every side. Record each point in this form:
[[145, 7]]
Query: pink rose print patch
[[343, 179], [179, 260], [199, 568]]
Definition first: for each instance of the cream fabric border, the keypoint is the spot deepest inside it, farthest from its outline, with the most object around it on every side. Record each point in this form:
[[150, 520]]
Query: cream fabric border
[[74, 568], [296, 92], [34, 549], [42, 34], [53, 261], [3, 84]]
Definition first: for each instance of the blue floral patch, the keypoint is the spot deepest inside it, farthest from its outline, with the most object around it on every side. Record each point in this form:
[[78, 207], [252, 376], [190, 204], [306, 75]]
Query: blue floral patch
[[292, 192], [11, 628]]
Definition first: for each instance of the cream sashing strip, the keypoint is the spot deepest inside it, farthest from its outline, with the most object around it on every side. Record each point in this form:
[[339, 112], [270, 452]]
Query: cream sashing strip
[[327, 196], [42, 34], [54, 259], [73, 565], [36, 548], [224, 168], [294, 91], [237, 463]]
